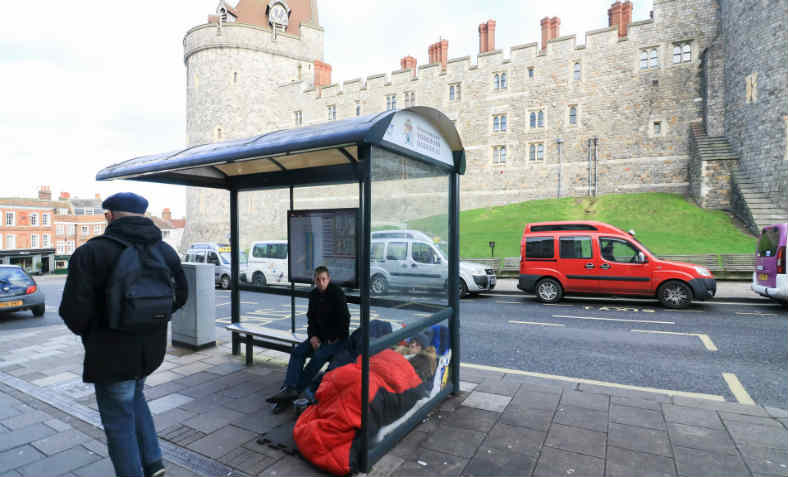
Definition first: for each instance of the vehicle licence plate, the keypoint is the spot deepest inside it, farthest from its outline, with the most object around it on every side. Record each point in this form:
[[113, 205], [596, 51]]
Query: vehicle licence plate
[[763, 277], [9, 304]]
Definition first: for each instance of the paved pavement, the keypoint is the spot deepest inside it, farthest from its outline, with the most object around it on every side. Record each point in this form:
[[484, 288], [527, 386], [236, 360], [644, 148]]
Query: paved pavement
[[209, 409]]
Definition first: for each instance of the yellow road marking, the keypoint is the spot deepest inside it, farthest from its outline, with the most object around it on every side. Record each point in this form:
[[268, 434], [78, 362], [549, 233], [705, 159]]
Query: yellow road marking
[[737, 389], [669, 392], [535, 323], [614, 319], [703, 337], [756, 314], [501, 301]]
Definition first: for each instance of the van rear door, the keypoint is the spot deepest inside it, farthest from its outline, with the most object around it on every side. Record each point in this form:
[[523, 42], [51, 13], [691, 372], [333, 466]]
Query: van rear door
[[766, 260], [578, 263]]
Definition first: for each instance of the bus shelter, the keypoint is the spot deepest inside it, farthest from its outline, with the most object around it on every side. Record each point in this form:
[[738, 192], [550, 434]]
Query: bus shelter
[[396, 250]]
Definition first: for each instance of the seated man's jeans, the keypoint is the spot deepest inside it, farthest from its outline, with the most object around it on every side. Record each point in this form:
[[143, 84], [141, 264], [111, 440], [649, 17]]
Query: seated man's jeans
[[131, 436], [298, 377]]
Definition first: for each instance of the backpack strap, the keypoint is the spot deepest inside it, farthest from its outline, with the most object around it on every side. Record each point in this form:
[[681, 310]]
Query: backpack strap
[[112, 238]]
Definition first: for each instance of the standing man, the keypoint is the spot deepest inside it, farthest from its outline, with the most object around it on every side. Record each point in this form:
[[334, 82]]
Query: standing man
[[117, 361], [328, 329]]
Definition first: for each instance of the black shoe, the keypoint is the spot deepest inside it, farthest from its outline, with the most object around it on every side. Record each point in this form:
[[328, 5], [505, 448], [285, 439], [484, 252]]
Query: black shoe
[[281, 407], [287, 394], [155, 469]]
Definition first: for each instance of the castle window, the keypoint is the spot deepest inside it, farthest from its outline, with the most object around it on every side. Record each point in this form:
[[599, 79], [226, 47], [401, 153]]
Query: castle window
[[499, 123], [235, 77], [540, 119], [358, 108], [218, 134], [649, 58], [391, 102], [455, 92], [657, 128], [536, 151], [682, 52], [297, 116], [332, 112], [531, 72], [299, 72], [499, 81], [410, 99], [573, 115], [499, 155], [576, 71]]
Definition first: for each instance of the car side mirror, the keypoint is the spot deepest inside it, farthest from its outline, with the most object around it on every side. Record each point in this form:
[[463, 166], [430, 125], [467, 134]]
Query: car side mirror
[[641, 257], [437, 260]]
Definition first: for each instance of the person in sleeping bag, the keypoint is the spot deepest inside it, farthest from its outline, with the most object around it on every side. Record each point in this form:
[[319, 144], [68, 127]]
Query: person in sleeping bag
[[328, 327]]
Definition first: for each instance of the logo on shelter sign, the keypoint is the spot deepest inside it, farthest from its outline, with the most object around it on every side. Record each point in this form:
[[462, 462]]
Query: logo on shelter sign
[[408, 132]]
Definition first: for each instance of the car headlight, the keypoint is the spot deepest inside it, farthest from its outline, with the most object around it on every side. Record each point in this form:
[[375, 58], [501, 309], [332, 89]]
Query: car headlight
[[703, 271]]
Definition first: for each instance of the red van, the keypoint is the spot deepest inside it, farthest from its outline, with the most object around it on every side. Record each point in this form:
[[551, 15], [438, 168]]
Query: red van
[[595, 258]]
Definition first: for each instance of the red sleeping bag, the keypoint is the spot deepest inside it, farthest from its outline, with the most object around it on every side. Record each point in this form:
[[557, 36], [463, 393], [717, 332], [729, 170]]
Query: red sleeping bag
[[327, 433]]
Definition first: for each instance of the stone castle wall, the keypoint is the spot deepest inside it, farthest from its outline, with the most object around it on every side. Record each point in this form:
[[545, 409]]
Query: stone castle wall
[[617, 102]]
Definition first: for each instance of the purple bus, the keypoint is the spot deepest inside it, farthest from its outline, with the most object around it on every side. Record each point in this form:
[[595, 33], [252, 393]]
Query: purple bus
[[769, 278]]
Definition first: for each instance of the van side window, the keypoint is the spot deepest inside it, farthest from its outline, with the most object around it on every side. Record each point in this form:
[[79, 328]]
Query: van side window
[[617, 250], [199, 258], [213, 258], [539, 247], [423, 253], [767, 244], [277, 250], [377, 252], [397, 251], [259, 251], [575, 247]]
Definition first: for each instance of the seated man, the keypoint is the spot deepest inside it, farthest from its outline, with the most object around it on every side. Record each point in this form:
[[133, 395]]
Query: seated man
[[328, 327]]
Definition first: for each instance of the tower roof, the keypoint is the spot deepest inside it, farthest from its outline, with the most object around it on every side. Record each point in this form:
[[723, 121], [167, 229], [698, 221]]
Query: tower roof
[[255, 12]]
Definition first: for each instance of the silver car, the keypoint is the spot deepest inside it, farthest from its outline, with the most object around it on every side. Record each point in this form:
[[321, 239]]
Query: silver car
[[18, 291]]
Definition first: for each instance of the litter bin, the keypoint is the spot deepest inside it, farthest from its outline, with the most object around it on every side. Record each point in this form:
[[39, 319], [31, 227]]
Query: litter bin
[[194, 325]]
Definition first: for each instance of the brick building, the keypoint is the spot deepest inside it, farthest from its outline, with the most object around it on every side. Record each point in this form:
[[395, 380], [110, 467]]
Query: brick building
[[27, 231], [82, 220]]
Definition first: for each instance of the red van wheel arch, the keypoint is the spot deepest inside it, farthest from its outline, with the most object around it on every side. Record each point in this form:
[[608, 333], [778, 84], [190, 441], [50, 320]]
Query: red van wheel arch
[[675, 294], [549, 290]]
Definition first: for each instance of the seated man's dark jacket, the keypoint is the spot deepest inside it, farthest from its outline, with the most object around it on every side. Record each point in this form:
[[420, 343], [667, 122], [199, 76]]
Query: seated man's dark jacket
[[328, 315], [112, 356]]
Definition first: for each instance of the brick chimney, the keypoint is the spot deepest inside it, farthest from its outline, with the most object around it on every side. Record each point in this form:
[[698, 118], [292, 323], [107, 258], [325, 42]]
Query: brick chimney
[[620, 15], [439, 53], [322, 74], [98, 196], [64, 196], [44, 193], [487, 36], [166, 214], [408, 63], [551, 28]]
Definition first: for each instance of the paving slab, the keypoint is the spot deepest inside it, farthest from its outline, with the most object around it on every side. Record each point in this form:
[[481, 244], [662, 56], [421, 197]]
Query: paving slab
[[293, 465], [699, 463], [193, 379], [536, 419], [384, 467], [554, 462], [497, 385], [728, 417], [25, 419], [99, 468], [247, 461], [618, 392], [17, 457], [625, 462], [597, 402], [495, 461], [762, 460], [161, 377], [58, 425], [515, 439], [574, 439], [427, 462], [536, 399], [61, 441], [757, 434], [487, 401], [635, 416], [246, 405], [170, 401], [532, 383], [263, 420], [692, 416], [410, 444], [61, 463], [213, 419], [471, 418], [161, 390], [182, 435], [720, 406], [703, 438], [221, 442], [639, 439], [454, 441], [25, 435], [168, 419], [581, 417]]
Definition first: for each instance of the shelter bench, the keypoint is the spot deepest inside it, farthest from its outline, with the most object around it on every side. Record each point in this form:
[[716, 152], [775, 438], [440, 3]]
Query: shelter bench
[[266, 337]]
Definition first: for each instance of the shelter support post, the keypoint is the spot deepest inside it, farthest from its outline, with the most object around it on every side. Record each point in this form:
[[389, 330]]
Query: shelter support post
[[365, 200], [235, 260], [454, 260], [292, 283]]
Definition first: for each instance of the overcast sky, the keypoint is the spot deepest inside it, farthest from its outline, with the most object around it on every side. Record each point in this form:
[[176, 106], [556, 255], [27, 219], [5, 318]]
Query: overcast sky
[[87, 84]]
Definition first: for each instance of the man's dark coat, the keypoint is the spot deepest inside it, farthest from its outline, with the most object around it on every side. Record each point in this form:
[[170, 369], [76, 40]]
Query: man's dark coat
[[112, 356]]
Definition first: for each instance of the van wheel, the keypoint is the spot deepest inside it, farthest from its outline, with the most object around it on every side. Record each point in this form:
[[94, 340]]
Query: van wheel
[[549, 290], [378, 285], [462, 288], [258, 279], [224, 282], [674, 294], [39, 310]]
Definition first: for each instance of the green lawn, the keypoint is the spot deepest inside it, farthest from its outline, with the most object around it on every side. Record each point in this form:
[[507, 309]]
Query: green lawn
[[665, 223]]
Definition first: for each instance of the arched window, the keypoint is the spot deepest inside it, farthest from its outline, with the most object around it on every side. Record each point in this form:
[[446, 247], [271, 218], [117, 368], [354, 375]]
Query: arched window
[[576, 72], [540, 152], [532, 152], [497, 81], [572, 114], [503, 80], [677, 54], [532, 119], [540, 119], [686, 52], [503, 123], [496, 124]]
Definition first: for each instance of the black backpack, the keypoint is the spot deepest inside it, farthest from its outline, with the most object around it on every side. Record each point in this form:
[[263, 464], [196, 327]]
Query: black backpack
[[140, 291]]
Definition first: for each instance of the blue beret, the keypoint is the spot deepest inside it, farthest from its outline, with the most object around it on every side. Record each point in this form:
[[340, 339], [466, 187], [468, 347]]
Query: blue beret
[[126, 202], [423, 338]]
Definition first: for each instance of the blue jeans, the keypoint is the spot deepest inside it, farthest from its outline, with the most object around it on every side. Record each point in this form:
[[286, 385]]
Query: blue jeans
[[298, 377], [131, 436]]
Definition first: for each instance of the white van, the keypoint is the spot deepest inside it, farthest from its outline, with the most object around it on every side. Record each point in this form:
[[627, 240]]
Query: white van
[[410, 259], [268, 262], [219, 255]]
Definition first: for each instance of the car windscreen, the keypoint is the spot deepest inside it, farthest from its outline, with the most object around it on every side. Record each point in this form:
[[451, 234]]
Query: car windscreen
[[768, 242], [15, 276], [227, 258]]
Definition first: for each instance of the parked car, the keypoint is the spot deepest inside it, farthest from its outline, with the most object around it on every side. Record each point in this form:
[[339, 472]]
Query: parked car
[[219, 255], [18, 291], [596, 258], [411, 259], [769, 278], [268, 262]]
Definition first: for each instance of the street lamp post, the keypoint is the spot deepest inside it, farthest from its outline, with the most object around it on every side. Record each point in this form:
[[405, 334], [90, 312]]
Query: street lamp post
[[559, 141]]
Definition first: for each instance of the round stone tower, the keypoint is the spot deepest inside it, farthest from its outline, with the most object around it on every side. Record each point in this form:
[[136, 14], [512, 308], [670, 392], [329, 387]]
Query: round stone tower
[[234, 64]]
